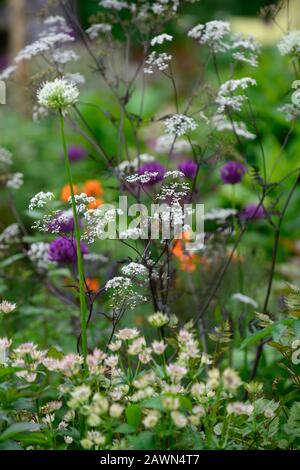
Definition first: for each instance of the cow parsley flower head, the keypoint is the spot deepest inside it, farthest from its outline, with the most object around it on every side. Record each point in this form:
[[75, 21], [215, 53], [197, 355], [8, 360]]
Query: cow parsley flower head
[[161, 39], [290, 43], [157, 61], [179, 124], [40, 200], [212, 34], [59, 94], [226, 98]]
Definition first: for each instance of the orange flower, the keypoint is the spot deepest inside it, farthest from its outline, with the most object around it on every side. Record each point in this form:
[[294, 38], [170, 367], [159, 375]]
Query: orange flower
[[187, 261], [97, 203], [92, 188], [66, 192], [92, 283]]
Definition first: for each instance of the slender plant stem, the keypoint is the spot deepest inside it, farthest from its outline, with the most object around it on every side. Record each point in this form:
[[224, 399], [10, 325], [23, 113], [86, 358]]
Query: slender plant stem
[[83, 306]]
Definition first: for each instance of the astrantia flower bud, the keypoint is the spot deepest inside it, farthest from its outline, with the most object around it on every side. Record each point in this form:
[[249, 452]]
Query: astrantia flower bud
[[59, 94]]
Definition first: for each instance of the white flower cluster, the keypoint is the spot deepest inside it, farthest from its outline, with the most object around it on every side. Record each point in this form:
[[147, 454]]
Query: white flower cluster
[[97, 220], [226, 98], [114, 4], [38, 254], [158, 61], [142, 179], [161, 39], [5, 157], [7, 307], [131, 165], [15, 180], [123, 294], [134, 269], [42, 45], [40, 200], [179, 124], [219, 214], [165, 143], [98, 28], [10, 235], [222, 123], [82, 200], [58, 94], [212, 34], [290, 44], [174, 192], [290, 111], [246, 49]]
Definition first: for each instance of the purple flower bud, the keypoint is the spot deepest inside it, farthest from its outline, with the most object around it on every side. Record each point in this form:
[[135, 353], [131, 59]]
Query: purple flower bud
[[76, 153], [252, 212], [153, 167], [188, 168], [232, 172], [63, 250]]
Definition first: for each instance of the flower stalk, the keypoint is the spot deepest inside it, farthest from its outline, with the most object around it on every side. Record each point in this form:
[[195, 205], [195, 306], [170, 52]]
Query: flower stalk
[[83, 306]]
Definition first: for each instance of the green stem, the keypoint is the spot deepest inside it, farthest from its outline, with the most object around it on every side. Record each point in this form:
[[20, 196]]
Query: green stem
[[83, 306]]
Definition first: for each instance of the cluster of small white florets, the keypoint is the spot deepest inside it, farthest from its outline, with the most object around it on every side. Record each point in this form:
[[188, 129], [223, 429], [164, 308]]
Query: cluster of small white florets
[[179, 124], [122, 293], [246, 49], [222, 123], [5, 157], [38, 254], [157, 60], [97, 29], [143, 178], [40, 200], [290, 111], [15, 180], [131, 165], [212, 34], [134, 269], [160, 39], [10, 235], [165, 143], [174, 192], [58, 94], [226, 98], [114, 4], [82, 200], [290, 44]]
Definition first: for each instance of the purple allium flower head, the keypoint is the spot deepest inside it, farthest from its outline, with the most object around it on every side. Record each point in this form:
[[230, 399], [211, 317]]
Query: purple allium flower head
[[188, 168], [76, 153], [252, 212], [62, 223], [153, 167], [232, 172], [63, 250]]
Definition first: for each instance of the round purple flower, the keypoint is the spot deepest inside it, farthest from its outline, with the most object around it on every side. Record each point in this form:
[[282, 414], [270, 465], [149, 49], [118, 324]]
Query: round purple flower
[[253, 212], [63, 250], [232, 172], [153, 167], [188, 168], [62, 223], [76, 153]]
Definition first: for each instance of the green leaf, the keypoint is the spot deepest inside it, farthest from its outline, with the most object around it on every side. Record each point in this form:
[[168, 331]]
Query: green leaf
[[144, 441], [265, 332], [153, 403], [185, 404], [125, 429], [17, 429], [11, 260], [133, 415]]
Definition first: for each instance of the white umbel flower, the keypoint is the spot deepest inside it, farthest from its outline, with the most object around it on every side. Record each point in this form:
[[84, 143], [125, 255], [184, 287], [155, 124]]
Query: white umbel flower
[[290, 43], [59, 94]]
